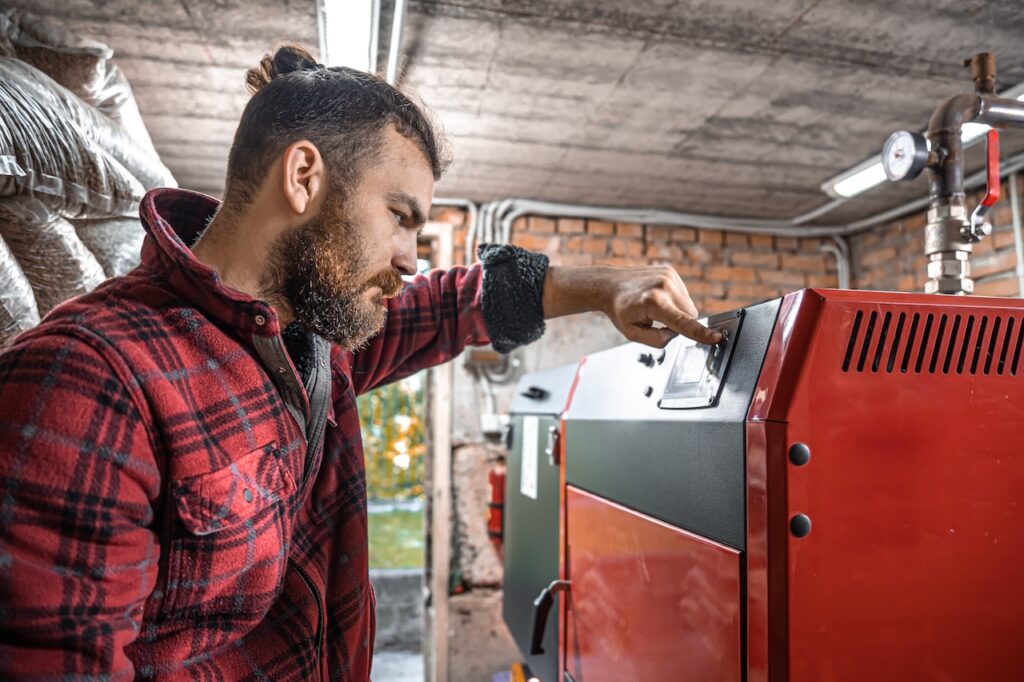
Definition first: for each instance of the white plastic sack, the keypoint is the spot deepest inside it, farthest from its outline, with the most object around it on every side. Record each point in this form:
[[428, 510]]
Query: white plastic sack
[[18, 310], [116, 242], [56, 263]]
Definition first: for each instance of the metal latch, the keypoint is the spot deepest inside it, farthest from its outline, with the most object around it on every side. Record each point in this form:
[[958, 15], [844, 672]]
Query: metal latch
[[541, 606], [551, 450]]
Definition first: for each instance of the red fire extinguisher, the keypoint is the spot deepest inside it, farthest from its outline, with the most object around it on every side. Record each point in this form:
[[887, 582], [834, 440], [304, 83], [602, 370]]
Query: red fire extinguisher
[[496, 507]]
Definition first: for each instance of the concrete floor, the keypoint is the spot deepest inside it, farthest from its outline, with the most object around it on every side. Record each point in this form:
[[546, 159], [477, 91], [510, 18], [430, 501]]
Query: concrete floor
[[397, 666]]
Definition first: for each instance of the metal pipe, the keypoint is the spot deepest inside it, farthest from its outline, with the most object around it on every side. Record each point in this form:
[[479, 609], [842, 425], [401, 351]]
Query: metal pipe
[[1013, 164], [506, 229], [395, 45], [472, 213], [1018, 239], [949, 234], [787, 228], [818, 212], [841, 251], [484, 236], [470, 236]]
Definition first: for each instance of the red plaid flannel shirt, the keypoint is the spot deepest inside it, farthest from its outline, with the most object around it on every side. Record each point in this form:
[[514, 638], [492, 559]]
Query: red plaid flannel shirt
[[157, 517]]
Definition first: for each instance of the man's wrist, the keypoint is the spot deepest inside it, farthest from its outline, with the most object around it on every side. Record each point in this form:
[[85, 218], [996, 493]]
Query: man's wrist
[[577, 289]]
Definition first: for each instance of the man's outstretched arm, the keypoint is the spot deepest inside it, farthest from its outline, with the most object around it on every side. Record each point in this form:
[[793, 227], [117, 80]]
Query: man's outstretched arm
[[505, 301], [634, 299]]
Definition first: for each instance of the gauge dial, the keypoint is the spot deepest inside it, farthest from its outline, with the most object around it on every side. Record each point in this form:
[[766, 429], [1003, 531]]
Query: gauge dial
[[904, 155]]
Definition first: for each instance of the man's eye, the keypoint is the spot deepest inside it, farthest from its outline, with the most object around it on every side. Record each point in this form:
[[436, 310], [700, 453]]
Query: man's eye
[[399, 218]]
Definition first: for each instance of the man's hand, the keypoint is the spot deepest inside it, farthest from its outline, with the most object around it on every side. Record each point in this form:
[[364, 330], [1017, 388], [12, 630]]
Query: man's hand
[[634, 299]]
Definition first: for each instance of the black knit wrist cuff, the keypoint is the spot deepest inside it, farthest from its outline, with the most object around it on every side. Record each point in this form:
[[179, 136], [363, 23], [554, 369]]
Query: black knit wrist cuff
[[513, 295]]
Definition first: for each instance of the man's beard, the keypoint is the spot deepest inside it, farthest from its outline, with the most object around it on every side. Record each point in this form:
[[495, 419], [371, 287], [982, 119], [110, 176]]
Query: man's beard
[[318, 270]]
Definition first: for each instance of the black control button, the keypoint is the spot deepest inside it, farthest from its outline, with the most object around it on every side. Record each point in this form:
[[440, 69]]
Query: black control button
[[799, 454], [646, 359], [535, 393], [649, 391], [800, 525], [661, 357]]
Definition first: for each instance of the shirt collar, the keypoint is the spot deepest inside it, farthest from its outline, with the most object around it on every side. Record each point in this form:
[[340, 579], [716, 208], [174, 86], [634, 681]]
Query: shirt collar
[[173, 219]]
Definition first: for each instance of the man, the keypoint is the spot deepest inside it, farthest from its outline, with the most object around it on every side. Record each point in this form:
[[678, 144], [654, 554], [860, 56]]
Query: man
[[183, 486]]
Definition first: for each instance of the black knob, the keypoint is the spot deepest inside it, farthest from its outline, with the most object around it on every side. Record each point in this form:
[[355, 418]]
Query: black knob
[[661, 357], [799, 454], [648, 392], [800, 525], [535, 393], [646, 359]]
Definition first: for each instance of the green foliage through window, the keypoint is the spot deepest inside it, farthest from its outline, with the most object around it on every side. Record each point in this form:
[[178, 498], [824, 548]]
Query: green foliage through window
[[393, 422]]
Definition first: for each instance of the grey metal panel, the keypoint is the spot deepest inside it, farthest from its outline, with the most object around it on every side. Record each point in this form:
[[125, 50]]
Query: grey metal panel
[[685, 467], [531, 545], [555, 382]]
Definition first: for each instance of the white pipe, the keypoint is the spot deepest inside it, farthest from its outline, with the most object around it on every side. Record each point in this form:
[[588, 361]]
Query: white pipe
[[1018, 239], [472, 213], [506, 228], [818, 212], [790, 228], [841, 251], [396, 41], [485, 218]]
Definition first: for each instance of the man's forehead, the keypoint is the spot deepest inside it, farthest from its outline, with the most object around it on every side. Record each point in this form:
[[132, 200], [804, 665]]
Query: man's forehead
[[400, 149], [403, 168]]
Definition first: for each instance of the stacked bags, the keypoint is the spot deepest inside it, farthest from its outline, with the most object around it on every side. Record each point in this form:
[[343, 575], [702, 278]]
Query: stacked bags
[[75, 160]]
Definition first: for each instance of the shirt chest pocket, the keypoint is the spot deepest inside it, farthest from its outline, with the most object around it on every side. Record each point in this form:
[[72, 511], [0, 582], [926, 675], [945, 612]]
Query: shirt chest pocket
[[229, 544]]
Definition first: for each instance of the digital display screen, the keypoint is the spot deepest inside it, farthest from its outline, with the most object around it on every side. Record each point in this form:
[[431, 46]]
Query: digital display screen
[[699, 369]]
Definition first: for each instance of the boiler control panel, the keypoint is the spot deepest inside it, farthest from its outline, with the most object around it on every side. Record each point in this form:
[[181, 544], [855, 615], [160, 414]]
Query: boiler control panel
[[699, 369]]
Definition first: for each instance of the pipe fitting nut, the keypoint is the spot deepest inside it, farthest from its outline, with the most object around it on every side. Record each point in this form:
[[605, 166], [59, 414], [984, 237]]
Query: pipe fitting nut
[[950, 264]]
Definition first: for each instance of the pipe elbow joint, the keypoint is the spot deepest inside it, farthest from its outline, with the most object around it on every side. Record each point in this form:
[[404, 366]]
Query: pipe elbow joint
[[950, 116]]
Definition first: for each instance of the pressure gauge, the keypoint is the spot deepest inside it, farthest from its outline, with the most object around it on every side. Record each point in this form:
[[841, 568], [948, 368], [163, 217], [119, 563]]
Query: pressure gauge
[[904, 155]]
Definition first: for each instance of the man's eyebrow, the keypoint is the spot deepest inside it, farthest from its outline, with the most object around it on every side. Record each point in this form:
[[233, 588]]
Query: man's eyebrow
[[416, 213]]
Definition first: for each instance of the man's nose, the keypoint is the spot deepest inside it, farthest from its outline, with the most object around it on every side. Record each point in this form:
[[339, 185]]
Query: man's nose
[[404, 259]]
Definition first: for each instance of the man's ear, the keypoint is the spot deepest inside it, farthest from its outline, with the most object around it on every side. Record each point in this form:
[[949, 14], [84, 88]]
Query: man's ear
[[304, 176]]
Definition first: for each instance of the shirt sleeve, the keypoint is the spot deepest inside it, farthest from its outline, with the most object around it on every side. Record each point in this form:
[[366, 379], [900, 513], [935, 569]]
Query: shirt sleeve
[[431, 321], [438, 314], [77, 560]]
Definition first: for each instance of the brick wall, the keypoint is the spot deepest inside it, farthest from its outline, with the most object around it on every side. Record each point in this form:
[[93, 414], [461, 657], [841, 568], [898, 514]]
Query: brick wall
[[722, 270], [891, 257]]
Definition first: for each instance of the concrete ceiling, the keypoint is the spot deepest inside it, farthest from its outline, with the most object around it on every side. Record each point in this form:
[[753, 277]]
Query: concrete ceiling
[[735, 107], [732, 107]]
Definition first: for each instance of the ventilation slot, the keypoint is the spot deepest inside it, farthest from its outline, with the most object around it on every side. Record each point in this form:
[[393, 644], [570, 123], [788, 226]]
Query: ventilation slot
[[935, 343], [881, 342], [1006, 345], [991, 353], [924, 344], [853, 340], [896, 342], [867, 340], [910, 342], [938, 344], [1016, 351], [954, 336]]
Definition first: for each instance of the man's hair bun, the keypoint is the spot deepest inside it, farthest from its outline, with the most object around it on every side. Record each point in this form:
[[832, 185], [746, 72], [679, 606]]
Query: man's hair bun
[[287, 59]]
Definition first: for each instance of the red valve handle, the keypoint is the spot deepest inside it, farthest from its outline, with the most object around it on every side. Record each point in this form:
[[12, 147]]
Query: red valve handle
[[992, 165]]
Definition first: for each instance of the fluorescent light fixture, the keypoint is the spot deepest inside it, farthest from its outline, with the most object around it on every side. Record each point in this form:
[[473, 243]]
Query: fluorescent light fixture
[[860, 178], [869, 173], [348, 33]]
